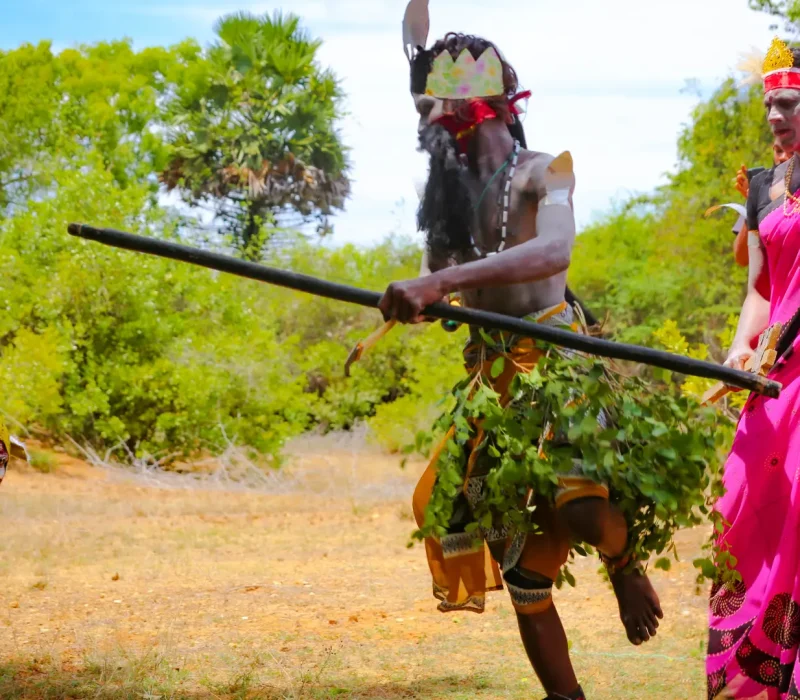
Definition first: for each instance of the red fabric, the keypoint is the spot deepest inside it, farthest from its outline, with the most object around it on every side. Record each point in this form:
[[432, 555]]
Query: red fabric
[[782, 79], [479, 112], [519, 96]]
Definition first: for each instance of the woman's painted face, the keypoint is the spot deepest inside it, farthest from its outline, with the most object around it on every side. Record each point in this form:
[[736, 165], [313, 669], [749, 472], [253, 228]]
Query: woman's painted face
[[783, 115]]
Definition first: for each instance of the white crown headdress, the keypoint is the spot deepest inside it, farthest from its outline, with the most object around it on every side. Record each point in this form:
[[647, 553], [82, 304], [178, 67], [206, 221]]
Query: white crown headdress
[[460, 79]]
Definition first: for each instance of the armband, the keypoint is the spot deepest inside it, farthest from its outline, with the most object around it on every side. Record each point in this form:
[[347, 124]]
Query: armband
[[753, 239]]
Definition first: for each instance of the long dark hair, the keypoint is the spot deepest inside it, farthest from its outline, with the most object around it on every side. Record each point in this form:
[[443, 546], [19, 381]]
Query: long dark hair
[[446, 211]]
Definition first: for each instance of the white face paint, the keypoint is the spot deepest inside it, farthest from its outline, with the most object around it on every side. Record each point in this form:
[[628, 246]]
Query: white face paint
[[430, 109], [783, 115]]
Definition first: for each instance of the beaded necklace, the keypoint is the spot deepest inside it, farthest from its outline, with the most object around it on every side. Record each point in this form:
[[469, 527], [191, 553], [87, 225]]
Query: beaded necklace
[[504, 199], [789, 197]]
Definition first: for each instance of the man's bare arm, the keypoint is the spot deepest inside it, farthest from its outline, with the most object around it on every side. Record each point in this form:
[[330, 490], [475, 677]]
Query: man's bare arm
[[755, 310], [740, 250], [552, 182]]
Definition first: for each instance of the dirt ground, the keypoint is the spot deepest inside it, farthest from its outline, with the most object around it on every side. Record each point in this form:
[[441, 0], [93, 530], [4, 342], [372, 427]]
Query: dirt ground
[[118, 587]]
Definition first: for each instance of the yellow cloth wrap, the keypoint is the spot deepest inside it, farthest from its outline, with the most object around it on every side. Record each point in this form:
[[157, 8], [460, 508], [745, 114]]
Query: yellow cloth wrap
[[462, 578]]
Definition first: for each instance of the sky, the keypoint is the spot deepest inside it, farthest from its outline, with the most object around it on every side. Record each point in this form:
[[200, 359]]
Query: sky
[[613, 81]]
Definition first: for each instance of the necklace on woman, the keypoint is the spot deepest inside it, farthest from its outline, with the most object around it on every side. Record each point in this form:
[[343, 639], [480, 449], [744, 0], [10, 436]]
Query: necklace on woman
[[504, 200], [788, 196]]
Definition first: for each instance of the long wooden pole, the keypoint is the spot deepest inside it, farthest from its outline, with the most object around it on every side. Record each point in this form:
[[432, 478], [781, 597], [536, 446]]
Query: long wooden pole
[[484, 319]]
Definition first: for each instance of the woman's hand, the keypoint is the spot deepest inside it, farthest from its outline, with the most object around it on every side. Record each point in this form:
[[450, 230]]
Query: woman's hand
[[737, 359], [742, 182], [738, 356]]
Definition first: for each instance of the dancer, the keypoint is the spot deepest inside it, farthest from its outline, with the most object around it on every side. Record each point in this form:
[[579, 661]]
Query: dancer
[[500, 229], [755, 621]]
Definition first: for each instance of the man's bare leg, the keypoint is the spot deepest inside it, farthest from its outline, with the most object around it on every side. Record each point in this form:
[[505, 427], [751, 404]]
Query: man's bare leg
[[601, 525], [546, 645], [543, 635]]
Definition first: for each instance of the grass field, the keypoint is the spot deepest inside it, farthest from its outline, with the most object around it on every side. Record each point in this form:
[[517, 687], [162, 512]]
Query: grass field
[[118, 587]]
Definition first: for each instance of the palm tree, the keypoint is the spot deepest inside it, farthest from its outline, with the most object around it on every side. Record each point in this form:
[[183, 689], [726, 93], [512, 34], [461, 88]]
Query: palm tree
[[255, 132]]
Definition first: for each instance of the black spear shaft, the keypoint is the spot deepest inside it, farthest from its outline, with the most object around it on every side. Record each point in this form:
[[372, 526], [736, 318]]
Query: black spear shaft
[[484, 319]]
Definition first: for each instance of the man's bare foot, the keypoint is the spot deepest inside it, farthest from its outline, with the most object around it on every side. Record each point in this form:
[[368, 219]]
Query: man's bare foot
[[639, 606]]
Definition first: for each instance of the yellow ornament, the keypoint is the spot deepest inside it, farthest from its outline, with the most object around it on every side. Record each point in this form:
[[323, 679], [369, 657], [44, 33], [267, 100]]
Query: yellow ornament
[[779, 57]]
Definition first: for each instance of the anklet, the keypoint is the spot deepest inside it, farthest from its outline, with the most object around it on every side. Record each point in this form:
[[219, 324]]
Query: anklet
[[616, 564]]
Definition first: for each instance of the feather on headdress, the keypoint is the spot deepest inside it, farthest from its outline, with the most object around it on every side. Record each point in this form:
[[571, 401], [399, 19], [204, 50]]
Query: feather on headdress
[[416, 25], [751, 63]]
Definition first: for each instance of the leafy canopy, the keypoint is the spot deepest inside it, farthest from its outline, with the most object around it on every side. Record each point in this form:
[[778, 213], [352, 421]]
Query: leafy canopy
[[254, 133]]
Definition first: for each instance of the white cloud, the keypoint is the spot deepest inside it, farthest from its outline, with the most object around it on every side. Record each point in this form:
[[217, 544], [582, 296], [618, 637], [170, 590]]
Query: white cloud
[[606, 79]]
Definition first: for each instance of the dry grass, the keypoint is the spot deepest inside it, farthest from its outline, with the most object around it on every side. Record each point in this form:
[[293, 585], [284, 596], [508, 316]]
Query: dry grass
[[139, 587]]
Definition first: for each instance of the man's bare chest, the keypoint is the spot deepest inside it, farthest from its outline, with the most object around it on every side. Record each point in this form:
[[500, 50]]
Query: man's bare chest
[[502, 220]]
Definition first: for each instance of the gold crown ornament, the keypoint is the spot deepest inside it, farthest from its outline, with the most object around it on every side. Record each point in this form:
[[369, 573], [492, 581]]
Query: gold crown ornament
[[779, 57], [778, 69]]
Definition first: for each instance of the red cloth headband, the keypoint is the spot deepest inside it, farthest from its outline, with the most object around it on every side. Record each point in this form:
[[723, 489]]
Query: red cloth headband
[[788, 78]]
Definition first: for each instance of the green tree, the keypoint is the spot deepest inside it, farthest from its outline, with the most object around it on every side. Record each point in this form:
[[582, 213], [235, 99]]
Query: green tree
[[255, 134], [27, 107], [105, 99], [658, 258], [118, 350], [787, 9], [115, 349]]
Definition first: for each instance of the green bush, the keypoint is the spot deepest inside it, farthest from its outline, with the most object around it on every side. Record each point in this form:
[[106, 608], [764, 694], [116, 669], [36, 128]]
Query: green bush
[[114, 348], [126, 351], [42, 462]]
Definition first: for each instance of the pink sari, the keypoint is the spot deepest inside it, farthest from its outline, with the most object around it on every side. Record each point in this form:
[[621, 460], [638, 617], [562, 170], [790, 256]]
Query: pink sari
[[754, 630]]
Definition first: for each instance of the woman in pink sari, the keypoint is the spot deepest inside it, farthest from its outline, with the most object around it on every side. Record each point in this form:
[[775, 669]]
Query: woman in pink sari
[[754, 634]]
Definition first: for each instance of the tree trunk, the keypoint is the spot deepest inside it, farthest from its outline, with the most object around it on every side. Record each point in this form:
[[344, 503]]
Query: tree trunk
[[250, 233]]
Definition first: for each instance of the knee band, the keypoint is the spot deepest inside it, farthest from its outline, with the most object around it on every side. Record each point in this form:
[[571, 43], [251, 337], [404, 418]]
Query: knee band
[[530, 593]]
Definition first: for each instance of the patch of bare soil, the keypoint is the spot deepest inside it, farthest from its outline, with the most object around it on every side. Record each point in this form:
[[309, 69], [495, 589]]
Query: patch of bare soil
[[117, 585]]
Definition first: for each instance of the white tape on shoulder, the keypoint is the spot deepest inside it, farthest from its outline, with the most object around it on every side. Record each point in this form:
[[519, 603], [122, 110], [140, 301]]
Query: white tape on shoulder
[[557, 197]]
